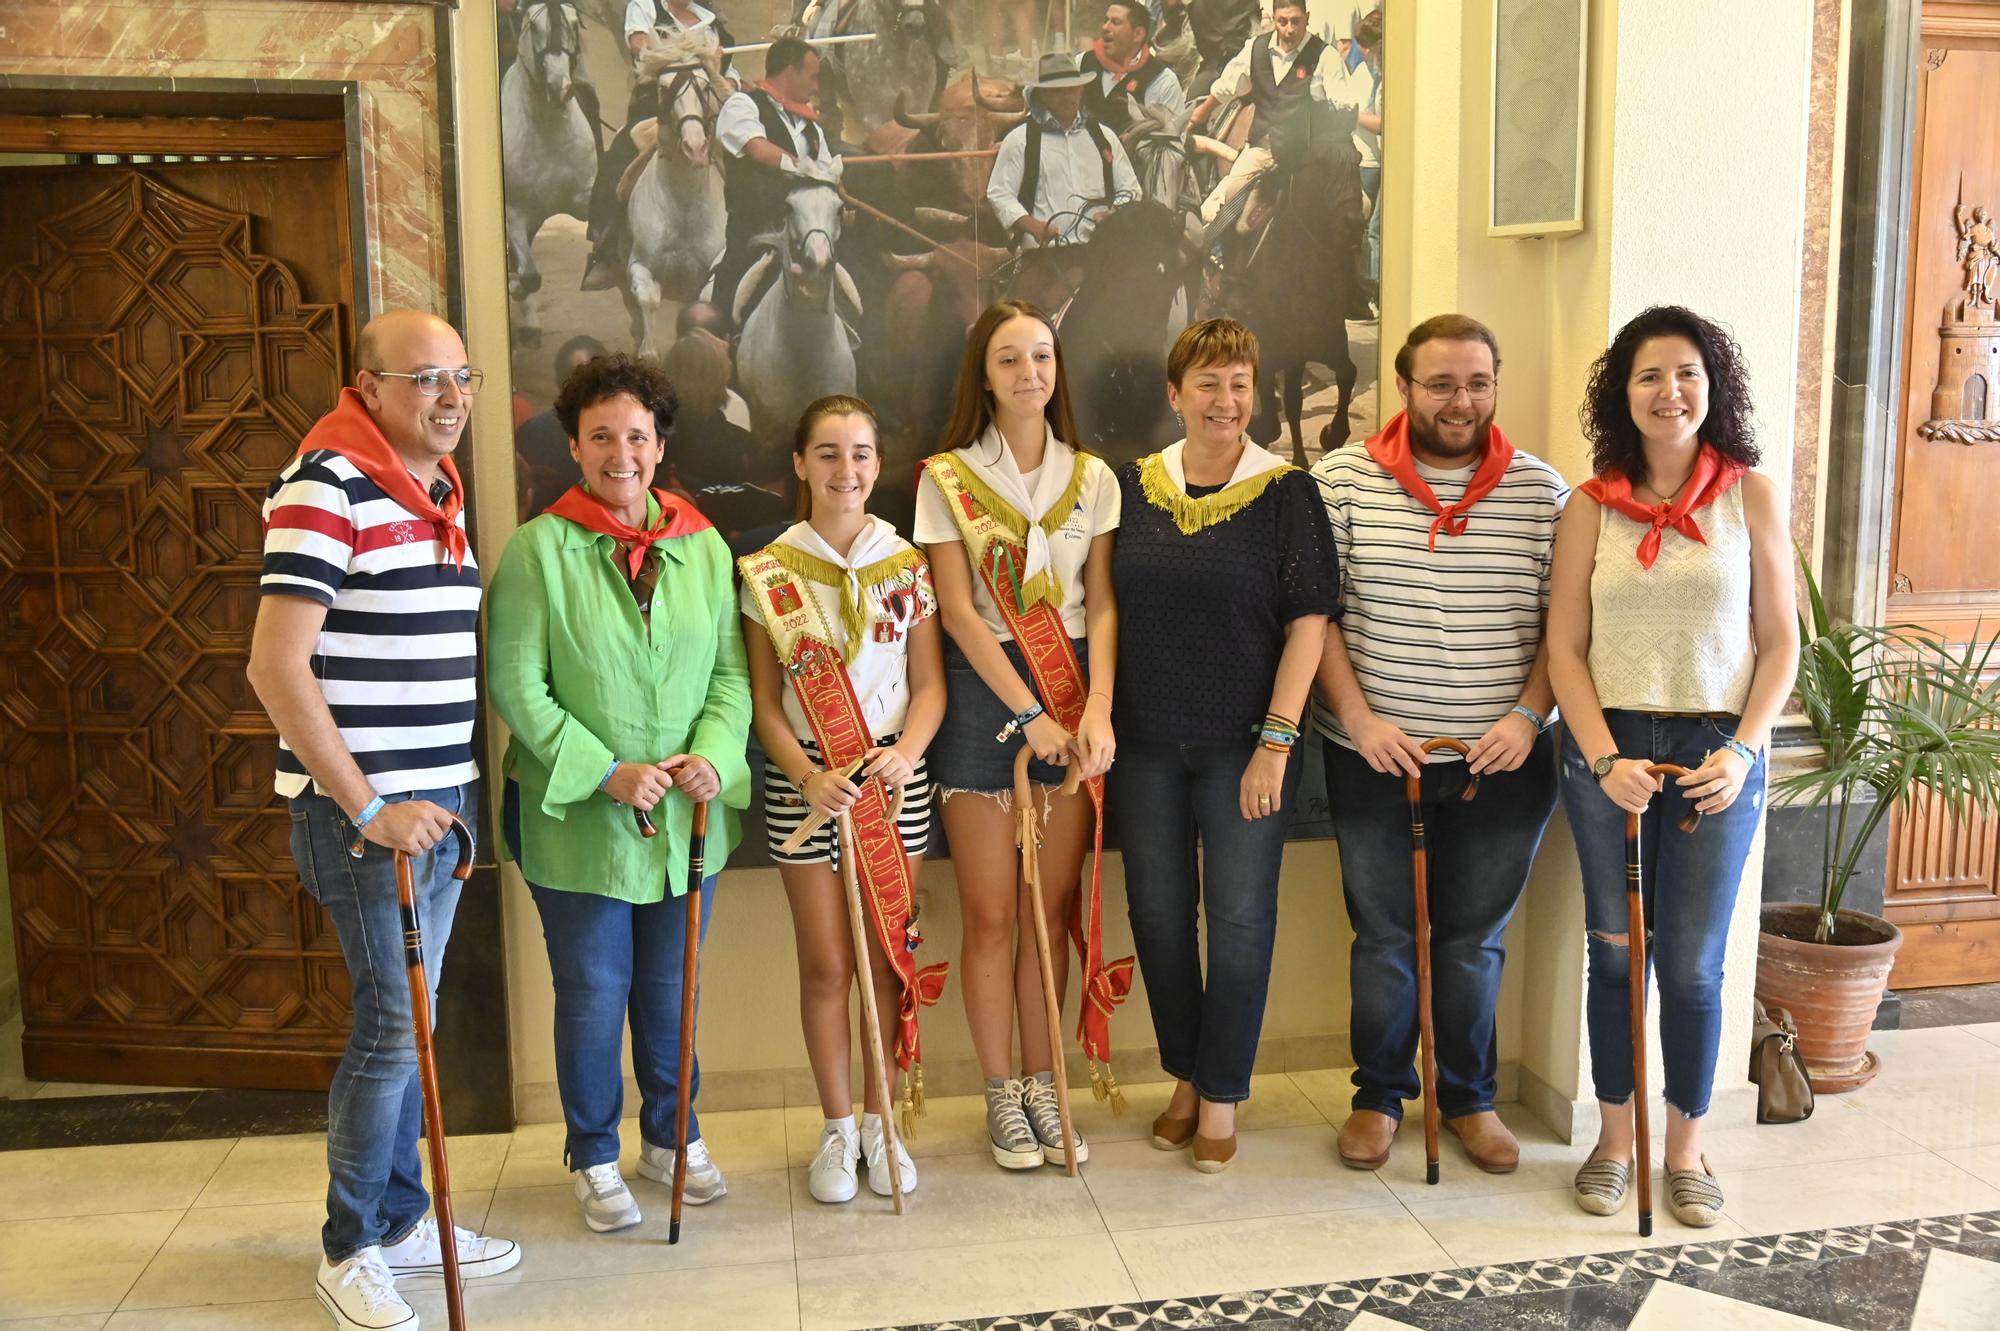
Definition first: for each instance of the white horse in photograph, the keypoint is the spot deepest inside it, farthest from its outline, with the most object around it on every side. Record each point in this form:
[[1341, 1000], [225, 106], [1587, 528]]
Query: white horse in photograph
[[795, 345], [675, 207], [547, 148]]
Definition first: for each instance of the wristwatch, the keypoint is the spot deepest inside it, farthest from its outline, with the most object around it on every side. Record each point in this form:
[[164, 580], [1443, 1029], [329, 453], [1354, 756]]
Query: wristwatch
[[1602, 767]]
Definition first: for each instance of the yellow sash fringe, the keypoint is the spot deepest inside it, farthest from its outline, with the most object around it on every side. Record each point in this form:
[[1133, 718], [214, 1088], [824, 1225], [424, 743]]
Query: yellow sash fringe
[[1044, 586], [1192, 515], [853, 614]]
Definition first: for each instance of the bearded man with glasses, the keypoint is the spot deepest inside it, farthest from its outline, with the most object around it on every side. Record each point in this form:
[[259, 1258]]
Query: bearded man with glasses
[[365, 655], [1444, 533]]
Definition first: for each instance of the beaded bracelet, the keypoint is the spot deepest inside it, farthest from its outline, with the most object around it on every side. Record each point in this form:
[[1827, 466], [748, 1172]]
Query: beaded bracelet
[[1741, 750], [1534, 717]]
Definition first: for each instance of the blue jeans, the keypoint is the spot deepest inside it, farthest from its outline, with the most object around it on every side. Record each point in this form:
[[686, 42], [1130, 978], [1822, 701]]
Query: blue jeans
[[612, 959], [374, 1114], [1480, 852], [1690, 893], [1163, 798]]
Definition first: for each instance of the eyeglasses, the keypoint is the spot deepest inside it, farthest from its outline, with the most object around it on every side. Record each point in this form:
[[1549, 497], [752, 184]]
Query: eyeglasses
[[1444, 390], [431, 382]]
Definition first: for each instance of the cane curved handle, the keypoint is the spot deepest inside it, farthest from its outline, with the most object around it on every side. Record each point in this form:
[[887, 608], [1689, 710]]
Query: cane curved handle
[[1072, 774], [1459, 747], [461, 871], [1693, 819]]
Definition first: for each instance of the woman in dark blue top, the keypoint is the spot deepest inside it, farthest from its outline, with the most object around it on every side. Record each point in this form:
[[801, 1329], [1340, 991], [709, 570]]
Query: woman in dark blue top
[[1226, 578]]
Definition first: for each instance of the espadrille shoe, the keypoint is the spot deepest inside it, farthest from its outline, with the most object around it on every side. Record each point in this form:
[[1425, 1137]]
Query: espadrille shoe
[[1601, 1185]]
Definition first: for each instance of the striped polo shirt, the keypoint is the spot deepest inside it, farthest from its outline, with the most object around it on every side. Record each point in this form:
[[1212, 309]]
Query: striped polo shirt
[[1442, 640], [398, 656]]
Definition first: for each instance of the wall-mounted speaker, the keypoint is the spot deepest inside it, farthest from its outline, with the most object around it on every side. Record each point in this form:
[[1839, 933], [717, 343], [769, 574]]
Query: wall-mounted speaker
[[1540, 68]]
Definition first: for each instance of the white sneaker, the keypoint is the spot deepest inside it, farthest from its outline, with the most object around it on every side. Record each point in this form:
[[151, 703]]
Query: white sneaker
[[361, 1294], [704, 1180], [607, 1202], [874, 1150], [1044, 1111], [478, 1254], [831, 1178]]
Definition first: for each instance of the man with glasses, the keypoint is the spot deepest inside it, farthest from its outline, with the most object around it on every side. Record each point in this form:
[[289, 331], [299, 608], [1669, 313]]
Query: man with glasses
[[1444, 533], [365, 656]]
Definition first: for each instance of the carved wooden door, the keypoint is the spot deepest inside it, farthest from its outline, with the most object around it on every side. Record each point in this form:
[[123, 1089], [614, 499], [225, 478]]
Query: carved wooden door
[[1944, 875], [167, 335]]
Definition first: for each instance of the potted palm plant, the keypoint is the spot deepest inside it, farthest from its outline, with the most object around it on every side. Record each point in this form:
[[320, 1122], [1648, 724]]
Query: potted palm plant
[[1900, 715]]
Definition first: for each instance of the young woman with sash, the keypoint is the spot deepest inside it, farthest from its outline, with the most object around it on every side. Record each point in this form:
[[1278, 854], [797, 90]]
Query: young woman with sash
[[616, 659], [847, 678], [1226, 576], [1672, 639], [1018, 525]]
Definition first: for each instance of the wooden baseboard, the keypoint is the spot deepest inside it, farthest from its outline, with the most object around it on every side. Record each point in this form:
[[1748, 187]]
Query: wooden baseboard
[[1944, 952], [268, 1069]]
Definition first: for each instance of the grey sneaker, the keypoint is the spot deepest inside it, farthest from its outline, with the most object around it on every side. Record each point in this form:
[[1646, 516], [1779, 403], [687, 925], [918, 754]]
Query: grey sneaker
[[704, 1180], [1014, 1143], [1045, 1114], [607, 1202]]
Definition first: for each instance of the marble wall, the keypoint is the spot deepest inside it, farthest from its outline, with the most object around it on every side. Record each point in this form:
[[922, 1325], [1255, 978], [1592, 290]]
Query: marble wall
[[389, 49]]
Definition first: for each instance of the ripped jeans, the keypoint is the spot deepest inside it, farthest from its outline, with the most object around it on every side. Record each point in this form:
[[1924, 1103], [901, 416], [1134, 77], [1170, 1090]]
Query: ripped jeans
[[1690, 892]]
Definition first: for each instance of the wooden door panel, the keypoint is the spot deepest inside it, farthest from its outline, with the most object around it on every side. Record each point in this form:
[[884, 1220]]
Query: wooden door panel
[[172, 332], [1944, 884]]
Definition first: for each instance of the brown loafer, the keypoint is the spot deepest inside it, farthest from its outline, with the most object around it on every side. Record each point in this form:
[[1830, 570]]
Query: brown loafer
[[1366, 1137], [1212, 1155], [1172, 1134], [1487, 1142]]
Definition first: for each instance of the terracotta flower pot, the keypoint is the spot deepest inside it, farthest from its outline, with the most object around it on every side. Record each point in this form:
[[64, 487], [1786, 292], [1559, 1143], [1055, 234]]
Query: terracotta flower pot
[[1831, 989]]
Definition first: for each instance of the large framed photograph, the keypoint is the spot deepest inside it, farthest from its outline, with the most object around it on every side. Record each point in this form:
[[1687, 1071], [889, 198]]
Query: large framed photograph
[[642, 217]]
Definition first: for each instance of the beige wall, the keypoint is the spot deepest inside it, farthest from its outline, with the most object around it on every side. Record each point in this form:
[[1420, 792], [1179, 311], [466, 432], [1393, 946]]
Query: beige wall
[[1686, 201]]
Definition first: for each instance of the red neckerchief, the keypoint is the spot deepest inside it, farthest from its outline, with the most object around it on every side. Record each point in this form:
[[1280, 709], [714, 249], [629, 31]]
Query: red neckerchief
[[1391, 448], [803, 110], [351, 432], [1712, 476], [1116, 70], [587, 511]]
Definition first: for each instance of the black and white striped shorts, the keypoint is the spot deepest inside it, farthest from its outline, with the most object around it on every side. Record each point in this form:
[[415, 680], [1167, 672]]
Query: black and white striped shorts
[[785, 809]]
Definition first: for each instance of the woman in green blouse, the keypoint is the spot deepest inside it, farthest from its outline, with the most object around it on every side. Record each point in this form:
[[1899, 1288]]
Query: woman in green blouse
[[616, 661]]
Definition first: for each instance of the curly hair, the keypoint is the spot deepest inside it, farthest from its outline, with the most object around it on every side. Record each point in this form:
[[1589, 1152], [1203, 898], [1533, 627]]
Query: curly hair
[[1606, 413], [602, 378]]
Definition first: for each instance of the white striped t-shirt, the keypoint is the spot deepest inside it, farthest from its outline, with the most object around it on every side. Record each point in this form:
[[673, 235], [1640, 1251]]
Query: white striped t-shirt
[[398, 656], [1442, 640]]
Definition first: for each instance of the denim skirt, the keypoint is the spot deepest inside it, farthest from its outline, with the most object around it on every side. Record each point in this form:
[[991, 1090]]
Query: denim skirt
[[964, 755]]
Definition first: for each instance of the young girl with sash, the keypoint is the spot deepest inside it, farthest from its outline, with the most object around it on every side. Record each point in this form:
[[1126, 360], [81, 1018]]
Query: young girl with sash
[[847, 679], [1018, 525], [1672, 639]]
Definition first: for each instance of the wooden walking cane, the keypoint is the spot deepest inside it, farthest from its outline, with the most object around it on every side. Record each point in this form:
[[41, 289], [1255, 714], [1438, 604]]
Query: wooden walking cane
[[1029, 837], [1413, 789], [420, 1014], [690, 989], [1635, 935], [874, 1052]]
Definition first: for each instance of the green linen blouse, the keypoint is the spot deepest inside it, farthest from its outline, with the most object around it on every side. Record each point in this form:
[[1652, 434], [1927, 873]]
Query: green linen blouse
[[579, 680]]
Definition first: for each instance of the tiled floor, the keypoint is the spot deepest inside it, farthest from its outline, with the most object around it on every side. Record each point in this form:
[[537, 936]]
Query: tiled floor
[[222, 1233]]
